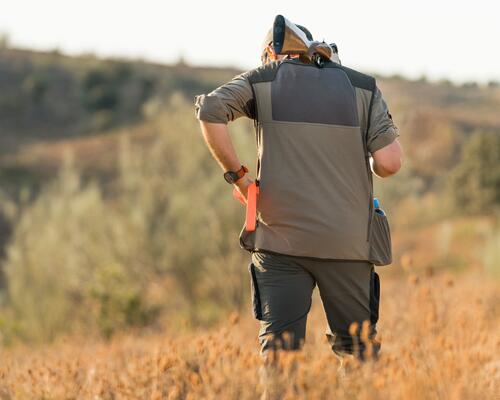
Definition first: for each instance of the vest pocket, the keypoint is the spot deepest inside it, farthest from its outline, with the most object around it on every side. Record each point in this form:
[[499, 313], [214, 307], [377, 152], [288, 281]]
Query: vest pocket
[[256, 304], [380, 240], [247, 239]]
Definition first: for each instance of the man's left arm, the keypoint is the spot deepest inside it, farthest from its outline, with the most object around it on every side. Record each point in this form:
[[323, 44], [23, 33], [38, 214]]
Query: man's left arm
[[383, 143]]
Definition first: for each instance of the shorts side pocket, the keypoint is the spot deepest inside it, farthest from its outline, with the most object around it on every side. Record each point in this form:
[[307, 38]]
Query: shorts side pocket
[[256, 303], [374, 297]]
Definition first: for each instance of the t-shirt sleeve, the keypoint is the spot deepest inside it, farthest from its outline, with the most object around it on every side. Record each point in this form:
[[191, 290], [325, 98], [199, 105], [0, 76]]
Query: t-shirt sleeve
[[382, 131], [226, 103]]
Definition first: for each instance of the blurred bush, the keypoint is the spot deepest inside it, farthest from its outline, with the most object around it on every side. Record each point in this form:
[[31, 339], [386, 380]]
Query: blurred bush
[[491, 254], [35, 85], [474, 183], [84, 256]]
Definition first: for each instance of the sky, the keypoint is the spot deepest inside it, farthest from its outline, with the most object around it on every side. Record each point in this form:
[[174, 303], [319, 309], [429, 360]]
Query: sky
[[442, 39]]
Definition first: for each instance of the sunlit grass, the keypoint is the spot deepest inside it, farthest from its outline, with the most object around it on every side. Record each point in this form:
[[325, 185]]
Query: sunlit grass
[[439, 340]]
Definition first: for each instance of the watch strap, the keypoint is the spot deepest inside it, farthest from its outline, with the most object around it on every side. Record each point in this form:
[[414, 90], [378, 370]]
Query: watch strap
[[241, 172]]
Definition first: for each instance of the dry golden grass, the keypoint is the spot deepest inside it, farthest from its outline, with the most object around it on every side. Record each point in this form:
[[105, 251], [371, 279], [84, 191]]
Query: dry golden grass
[[439, 334]]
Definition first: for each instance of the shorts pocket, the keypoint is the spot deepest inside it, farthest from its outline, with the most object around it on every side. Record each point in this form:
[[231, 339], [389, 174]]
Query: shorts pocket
[[380, 240], [256, 303], [374, 297]]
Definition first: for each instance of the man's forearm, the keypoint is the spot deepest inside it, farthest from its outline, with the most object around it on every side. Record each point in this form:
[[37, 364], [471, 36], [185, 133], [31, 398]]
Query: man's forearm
[[220, 145]]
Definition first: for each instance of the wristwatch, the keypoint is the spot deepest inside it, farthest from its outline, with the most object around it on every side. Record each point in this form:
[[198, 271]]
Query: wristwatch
[[232, 176]]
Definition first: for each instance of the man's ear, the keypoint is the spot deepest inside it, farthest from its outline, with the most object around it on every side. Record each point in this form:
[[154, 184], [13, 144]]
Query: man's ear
[[271, 54]]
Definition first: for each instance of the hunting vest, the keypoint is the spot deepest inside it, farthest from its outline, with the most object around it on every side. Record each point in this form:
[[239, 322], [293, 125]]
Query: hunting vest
[[315, 181]]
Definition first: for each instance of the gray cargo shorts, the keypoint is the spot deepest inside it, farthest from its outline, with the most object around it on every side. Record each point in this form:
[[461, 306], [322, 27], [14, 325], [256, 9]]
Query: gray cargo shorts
[[282, 287]]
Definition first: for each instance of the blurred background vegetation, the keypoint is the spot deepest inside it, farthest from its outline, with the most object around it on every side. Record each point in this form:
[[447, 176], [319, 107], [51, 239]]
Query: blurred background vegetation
[[113, 215]]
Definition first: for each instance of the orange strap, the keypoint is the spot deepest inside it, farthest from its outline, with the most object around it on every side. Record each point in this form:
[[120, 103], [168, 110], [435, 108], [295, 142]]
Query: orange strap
[[241, 172], [251, 203], [251, 217]]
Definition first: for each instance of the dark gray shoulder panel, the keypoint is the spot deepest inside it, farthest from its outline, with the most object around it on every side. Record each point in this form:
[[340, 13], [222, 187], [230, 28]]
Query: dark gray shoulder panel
[[265, 73], [358, 79], [308, 94]]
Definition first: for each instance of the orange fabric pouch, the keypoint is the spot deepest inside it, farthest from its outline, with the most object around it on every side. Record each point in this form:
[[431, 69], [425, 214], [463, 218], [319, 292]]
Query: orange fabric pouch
[[251, 203]]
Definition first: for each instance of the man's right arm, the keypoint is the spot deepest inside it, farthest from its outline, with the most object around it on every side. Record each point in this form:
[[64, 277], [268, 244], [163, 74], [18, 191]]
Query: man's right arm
[[388, 160]]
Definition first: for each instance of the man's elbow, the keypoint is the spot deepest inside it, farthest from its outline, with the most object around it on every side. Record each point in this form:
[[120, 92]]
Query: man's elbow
[[388, 167], [388, 160]]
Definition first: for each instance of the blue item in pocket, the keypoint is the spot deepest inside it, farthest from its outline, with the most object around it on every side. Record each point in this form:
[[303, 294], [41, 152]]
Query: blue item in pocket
[[376, 206]]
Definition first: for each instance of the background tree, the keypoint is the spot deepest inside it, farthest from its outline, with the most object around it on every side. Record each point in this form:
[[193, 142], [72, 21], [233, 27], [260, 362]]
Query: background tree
[[475, 181]]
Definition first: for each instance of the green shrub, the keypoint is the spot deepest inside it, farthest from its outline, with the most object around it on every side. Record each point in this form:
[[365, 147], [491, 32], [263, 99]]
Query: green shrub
[[119, 302], [103, 97], [85, 256], [36, 85], [474, 183]]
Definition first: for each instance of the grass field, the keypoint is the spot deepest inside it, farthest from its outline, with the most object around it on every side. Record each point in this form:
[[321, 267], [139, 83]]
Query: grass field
[[439, 334]]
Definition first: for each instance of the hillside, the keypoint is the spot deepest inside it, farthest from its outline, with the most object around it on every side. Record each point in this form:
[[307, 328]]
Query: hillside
[[48, 96], [49, 99]]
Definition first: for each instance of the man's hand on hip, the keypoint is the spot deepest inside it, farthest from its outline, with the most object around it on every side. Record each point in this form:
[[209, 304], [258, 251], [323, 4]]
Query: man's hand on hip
[[243, 184]]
